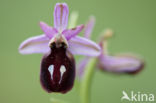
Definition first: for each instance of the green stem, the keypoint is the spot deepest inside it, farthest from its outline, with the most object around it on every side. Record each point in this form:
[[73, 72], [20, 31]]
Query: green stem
[[54, 100], [86, 81], [73, 19]]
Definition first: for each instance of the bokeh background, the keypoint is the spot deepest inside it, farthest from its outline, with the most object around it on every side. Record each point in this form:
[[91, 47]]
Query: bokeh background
[[134, 23]]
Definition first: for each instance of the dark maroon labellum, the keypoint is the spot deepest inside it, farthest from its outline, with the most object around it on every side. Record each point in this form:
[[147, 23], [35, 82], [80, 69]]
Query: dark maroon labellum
[[57, 70]]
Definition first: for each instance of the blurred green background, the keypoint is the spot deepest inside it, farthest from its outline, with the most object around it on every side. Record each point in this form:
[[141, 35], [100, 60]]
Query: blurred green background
[[134, 23]]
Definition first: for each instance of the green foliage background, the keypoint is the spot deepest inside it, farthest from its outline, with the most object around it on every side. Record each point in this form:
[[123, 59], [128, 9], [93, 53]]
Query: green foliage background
[[134, 23]]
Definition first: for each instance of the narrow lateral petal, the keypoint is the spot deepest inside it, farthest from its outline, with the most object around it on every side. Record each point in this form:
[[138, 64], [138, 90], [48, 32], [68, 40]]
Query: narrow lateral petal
[[82, 46], [81, 66], [89, 27], [37, 44], [69, 33], [49, 31], [121, 63], [61, 13]]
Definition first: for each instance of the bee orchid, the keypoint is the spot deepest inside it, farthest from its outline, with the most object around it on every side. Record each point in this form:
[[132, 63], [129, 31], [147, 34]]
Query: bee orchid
[[59, 44], [121, 63]]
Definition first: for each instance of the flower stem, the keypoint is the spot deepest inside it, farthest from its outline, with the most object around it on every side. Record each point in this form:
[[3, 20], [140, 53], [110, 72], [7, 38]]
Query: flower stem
[[73, 19], [86, 81], [53, 100]]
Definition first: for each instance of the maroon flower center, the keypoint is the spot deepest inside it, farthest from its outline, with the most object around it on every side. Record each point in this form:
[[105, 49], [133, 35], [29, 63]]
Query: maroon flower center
[[57, 70]]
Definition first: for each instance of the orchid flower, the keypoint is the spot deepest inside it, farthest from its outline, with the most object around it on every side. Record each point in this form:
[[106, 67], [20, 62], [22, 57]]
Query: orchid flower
[[123, 63], [58, 44]]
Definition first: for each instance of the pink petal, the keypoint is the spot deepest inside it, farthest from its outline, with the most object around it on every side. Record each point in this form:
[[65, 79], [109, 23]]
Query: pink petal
[[121, 63], [49, 31], [61, 16], [89, 27], [82, 46], [37, 44], [81, 66], [72, 32]]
